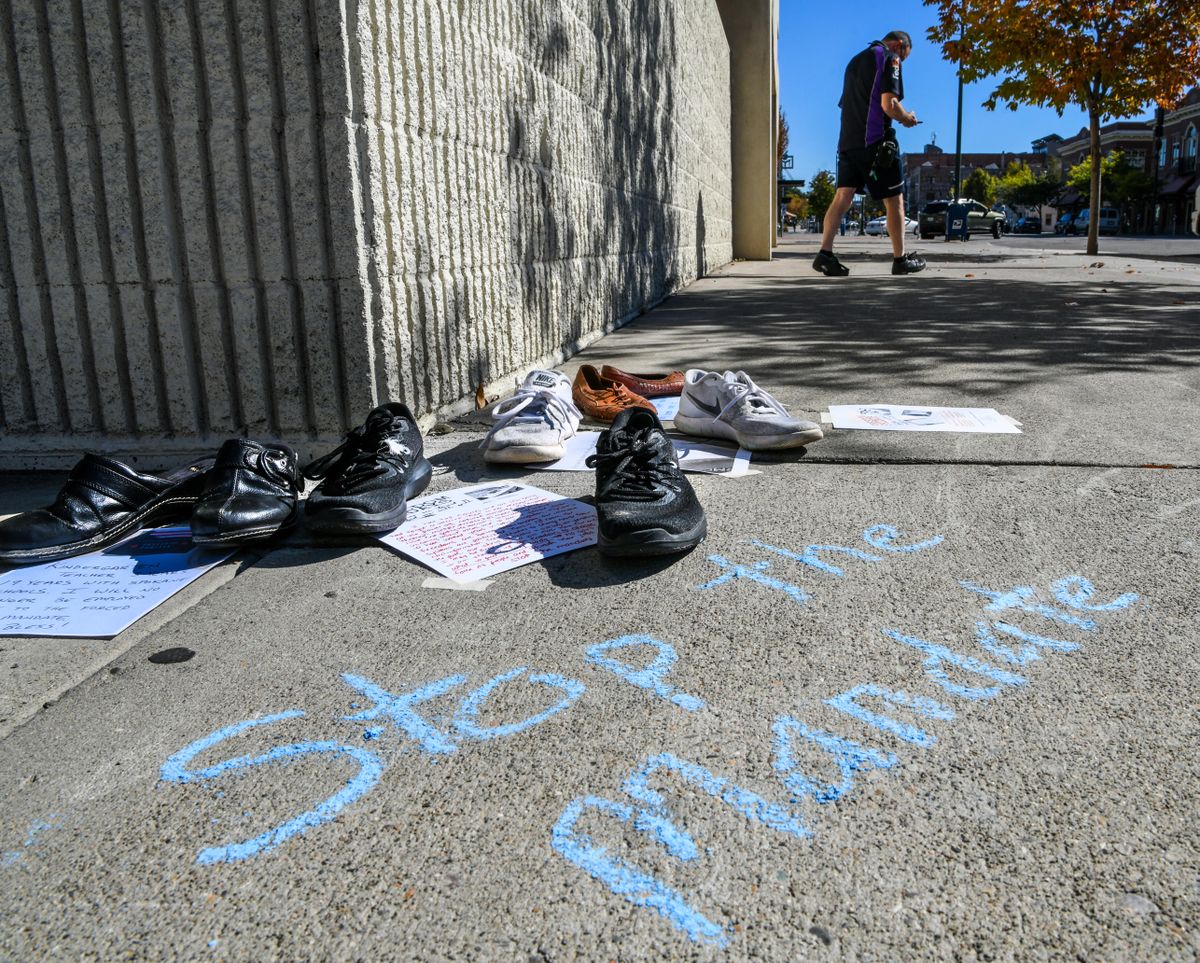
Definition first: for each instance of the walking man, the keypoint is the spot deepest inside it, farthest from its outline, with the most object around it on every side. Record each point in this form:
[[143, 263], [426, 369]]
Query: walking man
[[868, 156]]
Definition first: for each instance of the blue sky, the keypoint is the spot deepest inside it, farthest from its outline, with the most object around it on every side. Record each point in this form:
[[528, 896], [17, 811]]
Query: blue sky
[[817, 38]]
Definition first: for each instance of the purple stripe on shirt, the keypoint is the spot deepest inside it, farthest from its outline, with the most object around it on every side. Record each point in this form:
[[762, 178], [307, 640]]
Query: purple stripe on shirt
[[875, 115]]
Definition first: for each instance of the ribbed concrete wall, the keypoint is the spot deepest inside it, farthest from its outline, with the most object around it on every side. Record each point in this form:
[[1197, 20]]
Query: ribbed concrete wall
[[251, 217]]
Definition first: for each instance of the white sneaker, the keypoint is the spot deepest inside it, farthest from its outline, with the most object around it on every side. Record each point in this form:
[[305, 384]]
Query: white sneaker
[[534, 424], [734, 407]]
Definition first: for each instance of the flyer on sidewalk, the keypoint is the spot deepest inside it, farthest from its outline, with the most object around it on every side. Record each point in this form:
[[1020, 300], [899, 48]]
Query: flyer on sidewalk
[[922, 418], [694, 455], [100, 595], [468, 534], [667, 407]]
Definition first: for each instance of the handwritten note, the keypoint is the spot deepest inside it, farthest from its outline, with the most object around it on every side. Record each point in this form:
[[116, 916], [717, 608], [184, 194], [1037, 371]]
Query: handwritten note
[[469, 534], [102, 594], [922, 418]]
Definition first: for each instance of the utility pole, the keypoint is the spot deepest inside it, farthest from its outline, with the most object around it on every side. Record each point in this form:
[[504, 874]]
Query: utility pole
[[958, 136]]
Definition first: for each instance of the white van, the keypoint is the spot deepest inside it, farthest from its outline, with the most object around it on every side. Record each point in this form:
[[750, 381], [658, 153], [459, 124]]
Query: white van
[[1110, 221]]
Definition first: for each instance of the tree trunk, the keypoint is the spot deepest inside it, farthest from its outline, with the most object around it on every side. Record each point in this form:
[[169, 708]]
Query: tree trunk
[[1093, 240]]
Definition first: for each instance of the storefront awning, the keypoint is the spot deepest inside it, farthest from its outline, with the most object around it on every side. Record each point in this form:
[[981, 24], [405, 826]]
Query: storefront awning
[[1177, 185]]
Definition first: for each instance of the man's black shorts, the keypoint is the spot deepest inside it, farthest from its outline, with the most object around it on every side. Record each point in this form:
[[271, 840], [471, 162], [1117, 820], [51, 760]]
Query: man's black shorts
[[854, 170]]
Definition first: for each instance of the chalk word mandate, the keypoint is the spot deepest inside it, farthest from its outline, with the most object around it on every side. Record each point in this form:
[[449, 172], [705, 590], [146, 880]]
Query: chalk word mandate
[[1022, 625]]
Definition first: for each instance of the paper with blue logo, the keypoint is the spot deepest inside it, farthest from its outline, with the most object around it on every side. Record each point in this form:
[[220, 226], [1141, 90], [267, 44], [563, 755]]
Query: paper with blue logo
[[100, 595], [882, 417]]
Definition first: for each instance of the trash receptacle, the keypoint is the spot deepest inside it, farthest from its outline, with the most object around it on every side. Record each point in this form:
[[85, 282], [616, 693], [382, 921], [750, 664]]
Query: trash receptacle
[[956, 222]]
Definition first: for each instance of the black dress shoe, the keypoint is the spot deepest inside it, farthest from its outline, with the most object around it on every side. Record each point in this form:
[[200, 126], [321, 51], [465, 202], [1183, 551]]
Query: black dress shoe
[[369, 478], [101, 503], [251, 495]]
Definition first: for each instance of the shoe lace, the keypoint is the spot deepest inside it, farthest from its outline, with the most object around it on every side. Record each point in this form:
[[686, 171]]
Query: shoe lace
[[530, 403], [635, 467], [359, 456], [755, 396]]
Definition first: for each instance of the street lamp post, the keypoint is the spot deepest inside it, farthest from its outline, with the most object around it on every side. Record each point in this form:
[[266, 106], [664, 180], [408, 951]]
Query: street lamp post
[[958, 136]]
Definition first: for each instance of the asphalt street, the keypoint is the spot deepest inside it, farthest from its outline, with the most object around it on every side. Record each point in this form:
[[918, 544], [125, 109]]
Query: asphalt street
[[918, 696]]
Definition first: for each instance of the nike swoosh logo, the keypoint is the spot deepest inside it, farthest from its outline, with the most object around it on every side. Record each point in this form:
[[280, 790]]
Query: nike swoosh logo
[[711, 409]]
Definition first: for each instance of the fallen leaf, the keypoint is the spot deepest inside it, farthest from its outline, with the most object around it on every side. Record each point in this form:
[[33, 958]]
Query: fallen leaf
[[968, 275], [1179, 302], [1131, 271]]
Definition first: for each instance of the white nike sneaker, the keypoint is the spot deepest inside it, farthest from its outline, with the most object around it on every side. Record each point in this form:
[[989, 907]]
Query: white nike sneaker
[[734, 407], [534, 424]]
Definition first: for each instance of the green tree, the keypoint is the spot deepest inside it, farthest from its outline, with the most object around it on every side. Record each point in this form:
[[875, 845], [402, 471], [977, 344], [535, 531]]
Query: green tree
[[820, 194], [1021, 187], [1121, 184], [1109, 57], [981, 186]]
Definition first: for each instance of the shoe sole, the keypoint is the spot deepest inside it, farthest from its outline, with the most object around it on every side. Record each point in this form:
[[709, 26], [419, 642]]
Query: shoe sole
[[352, 521], [261, 534], [524, 454], [652, 541], [711, 428], [169, 509]]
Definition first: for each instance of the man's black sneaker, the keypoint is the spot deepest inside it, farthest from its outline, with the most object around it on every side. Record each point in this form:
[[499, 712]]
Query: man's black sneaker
[[909, 264], [370, 477], [829, 265], [644, 503]]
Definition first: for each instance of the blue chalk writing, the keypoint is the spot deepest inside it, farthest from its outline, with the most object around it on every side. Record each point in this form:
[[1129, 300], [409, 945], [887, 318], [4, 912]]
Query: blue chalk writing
[[750, 805], [753, 573], [848, 756], [936, 655], [399, 708], [885, 537], [36, 828], [1019, 597], [808, 556], [1075, 590], [624, 879], [468, 711], [653, 676], [847, 702], [369, 770], [1028, 653]]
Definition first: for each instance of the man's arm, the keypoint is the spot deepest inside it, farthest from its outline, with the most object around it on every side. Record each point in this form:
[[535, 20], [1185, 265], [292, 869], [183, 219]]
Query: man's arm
[[894, 109]]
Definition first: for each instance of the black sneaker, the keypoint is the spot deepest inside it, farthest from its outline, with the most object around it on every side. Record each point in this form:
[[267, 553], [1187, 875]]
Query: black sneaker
[[645, 505], [909, 264], [370, 477], [829, 265]]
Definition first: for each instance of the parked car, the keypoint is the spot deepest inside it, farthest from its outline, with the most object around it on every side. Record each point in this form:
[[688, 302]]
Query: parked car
[[1028, 225], [1063, 225], [980, 220], [878, 227], [1110, 221]]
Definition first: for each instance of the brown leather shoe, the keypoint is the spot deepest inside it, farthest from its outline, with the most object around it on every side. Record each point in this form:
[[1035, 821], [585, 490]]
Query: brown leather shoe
[[646, 385], [601, 398]]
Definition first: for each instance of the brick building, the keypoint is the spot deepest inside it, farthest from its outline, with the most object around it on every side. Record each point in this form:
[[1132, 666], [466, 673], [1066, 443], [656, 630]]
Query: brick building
[[1176, 145], [929, 175]]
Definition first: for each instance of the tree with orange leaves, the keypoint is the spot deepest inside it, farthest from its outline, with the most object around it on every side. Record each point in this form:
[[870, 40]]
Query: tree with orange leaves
[[1109, 57]]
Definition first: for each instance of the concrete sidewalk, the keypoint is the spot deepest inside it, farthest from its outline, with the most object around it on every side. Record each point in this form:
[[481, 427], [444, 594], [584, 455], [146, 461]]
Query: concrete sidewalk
[[945, 695]]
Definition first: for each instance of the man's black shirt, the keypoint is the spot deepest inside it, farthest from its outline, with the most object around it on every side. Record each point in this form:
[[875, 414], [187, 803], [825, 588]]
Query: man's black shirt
[[869, 75]]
